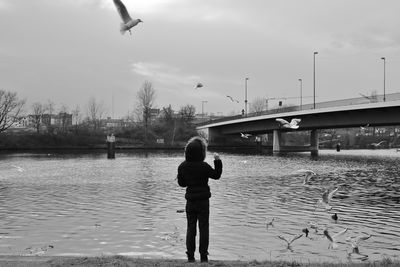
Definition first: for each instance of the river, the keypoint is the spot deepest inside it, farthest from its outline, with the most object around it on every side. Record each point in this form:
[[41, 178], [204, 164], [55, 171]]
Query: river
[[84, 204]]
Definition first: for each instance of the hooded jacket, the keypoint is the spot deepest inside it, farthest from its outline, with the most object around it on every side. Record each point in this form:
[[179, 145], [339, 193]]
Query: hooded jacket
[[194, 173]]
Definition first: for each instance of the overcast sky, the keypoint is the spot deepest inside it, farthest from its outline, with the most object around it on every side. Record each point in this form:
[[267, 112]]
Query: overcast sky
[[68, 51]]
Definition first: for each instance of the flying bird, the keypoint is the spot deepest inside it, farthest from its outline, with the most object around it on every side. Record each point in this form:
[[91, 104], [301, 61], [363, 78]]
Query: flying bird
[[127, 21], [269, 223], [327, 196], [376, 145], [294, 123], [332, 238], [245, 135], [232, 99], [198, 85], [290, 241], [355, 242], [308, 174]]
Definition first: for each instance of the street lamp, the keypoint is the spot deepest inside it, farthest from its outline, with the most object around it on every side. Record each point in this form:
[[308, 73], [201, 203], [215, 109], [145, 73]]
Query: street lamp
[[245, 95], [301, 93], [384, 78], [202, 109], [315, 53]]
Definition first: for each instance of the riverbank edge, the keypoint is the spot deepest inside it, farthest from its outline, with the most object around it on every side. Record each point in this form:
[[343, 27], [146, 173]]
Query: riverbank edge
[[53, 261]]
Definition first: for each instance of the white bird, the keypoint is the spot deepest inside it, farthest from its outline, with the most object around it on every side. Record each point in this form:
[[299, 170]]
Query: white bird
[[363, 127], [269, 223], [355, 241], [127, 21], [245, 135], [198, 85], [376, 145], [327, 196], [308, 174], [290, 241], [332, 238], [294, 123]]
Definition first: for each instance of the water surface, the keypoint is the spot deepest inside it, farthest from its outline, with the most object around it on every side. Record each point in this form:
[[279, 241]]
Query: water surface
[[84, 204]]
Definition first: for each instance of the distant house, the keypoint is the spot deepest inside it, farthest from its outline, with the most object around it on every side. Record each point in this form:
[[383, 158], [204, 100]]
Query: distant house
[[112, 123]]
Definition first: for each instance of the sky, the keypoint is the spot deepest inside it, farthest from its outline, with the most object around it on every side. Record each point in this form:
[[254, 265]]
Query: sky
[[68, 51]]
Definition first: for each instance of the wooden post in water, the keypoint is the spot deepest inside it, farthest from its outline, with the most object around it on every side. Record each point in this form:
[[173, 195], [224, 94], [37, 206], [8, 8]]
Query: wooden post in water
[[111, 146]]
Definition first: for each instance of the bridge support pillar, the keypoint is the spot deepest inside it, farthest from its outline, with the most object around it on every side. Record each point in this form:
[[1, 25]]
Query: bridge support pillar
[[314, 142], [276, 144]]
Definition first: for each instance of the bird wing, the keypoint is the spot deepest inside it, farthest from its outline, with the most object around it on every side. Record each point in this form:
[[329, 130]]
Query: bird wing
[[283, 238], [339, 233], [282, 121], [325, 195], [294, 122], [122, 11], [295, 238], [330, 195]]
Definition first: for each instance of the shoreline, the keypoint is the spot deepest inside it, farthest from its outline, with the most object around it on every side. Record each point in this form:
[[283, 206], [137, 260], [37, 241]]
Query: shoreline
[[34, 261]]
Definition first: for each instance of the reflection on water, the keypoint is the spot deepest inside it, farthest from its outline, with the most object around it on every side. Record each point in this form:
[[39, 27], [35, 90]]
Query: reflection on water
[[84, 204]]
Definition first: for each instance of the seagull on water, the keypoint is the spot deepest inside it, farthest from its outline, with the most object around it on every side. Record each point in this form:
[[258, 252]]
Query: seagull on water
[[291, 240], [294, 123], [334, 217], [363, 127], [332, 238], [245, 135], [20, 169], [127, 21], [306, 231]]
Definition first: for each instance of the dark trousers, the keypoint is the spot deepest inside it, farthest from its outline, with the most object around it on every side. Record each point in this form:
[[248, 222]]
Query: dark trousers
[[198, 210]]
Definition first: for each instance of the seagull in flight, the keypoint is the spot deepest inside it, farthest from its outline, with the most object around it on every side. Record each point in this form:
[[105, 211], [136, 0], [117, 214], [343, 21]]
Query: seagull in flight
[[327, 196], [245, 135], [269, 223], [232, 99], [376, 145], [308, 174], [355, 242], [198, 85], [127, 21], [294, 123], [332, 238], [291, 240]]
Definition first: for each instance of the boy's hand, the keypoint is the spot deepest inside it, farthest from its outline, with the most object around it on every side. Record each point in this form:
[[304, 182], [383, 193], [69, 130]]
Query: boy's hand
[[216, 156]]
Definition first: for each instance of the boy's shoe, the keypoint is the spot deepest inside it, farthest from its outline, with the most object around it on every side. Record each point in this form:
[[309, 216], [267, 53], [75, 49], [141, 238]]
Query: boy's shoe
[[204, 258], [190, 257]]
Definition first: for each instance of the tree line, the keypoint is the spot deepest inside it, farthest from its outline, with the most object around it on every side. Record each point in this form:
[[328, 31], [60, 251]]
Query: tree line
[[141, 127]]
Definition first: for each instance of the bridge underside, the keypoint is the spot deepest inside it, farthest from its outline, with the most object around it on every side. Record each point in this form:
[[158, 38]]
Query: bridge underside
[[228, 133]]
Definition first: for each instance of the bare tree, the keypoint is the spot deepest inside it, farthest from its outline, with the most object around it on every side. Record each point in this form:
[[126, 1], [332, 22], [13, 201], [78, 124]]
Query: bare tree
[[258, 105], [10, 109], [145, 98], [38, 109], [95, 112], [187, 113]]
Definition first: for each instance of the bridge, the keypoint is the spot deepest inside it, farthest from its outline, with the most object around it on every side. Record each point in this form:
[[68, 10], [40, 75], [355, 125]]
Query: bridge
[[227, 132]]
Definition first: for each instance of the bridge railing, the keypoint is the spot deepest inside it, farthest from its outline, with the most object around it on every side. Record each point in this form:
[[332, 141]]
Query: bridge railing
[[328, 104]]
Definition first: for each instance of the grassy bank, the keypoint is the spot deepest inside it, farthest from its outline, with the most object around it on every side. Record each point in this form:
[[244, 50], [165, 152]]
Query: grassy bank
[[120, 261]]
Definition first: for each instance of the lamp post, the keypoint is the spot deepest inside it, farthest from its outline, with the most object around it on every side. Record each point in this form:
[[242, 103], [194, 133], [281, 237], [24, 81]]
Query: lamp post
[[301, 93], [202, 109], [315, 53], [245, 95], [384, 78]]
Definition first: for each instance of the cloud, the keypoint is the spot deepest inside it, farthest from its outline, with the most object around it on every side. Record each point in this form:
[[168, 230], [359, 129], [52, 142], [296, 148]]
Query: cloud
[[164, 73]]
